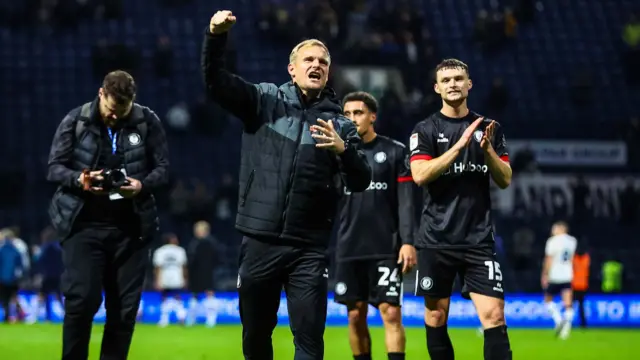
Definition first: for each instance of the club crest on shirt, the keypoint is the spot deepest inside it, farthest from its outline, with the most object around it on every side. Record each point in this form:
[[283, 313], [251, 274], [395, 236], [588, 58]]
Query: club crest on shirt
[[380, 157], [478, 135]]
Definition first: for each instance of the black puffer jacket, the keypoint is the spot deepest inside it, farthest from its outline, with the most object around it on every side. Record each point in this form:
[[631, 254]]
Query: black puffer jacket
[[145, 158], [289, 189]]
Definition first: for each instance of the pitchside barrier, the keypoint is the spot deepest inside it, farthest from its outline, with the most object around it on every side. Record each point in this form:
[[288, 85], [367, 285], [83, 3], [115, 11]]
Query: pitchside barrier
[[526, 311]]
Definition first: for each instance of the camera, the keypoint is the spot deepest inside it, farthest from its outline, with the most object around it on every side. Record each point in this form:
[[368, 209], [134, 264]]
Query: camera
[[112, 179]]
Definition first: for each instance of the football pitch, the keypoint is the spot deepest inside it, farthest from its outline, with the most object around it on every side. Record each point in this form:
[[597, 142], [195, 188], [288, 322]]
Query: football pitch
[[42, 342]]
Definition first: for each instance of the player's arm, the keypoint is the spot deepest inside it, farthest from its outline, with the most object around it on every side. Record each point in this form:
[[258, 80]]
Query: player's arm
[[406, 211], [406, 206], [546, 264], [496, 156], [425, 167], [241, 98], [157, 262], [185, 269]]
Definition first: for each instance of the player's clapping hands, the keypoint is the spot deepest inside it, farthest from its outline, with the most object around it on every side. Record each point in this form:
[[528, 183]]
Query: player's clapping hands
[[221, 22], [327, 136], [487, 137], [468, 134]]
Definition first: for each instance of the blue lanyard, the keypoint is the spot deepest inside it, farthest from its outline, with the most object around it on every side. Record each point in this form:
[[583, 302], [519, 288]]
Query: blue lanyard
[[114, 140]]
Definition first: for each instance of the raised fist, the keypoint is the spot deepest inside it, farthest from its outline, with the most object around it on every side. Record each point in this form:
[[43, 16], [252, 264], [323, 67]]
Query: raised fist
[[221, 22]]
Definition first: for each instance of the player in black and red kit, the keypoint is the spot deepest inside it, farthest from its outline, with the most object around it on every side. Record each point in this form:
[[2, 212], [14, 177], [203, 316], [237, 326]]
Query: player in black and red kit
[[375, 235], [454, 155]]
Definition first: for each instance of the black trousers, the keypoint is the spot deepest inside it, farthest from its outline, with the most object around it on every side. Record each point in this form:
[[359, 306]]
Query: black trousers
[[113, 259], [579, 296], [7, 293], [265, 268]]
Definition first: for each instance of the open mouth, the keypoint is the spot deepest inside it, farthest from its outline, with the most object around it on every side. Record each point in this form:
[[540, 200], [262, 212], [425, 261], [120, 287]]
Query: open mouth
[[315, 75]]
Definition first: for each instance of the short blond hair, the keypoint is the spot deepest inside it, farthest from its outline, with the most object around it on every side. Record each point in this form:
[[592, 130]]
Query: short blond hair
[[305, 43]]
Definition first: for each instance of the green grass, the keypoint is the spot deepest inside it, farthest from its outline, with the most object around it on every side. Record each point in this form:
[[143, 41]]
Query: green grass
[[43, 341]]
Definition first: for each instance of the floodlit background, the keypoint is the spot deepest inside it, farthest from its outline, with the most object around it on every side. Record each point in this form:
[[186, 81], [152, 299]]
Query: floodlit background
[[562, 77]]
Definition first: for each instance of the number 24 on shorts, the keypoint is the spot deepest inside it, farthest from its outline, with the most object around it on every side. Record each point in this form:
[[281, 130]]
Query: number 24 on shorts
[[387, 276]]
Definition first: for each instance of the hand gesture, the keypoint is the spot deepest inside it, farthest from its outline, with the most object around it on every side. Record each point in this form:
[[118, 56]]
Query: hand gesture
[[86, 180], [468, 134], [487, 138], [407, 258], [328, 137], [130, 190], [221, 22]]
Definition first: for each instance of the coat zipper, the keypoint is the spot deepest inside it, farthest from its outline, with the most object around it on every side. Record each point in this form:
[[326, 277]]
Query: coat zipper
[[293, 171]]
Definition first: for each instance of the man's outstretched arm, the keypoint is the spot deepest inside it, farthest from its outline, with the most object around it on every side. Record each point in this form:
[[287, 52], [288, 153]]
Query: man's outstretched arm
[[236, 95]]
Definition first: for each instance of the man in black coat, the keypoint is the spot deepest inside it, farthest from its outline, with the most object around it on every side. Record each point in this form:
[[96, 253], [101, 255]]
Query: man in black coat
[[298, 152], [108, 157]]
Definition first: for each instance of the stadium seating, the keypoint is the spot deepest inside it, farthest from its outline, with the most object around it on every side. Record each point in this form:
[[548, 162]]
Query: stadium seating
[[45, 74]]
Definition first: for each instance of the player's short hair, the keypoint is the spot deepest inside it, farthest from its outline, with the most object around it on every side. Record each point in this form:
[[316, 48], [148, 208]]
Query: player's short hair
[[166, 237], [365, 97], [120, 86], [305, 43], [453, 64]]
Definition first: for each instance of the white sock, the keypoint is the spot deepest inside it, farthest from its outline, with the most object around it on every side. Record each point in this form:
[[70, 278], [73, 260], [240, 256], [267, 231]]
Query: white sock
[[568, 314], [566, 327], [181, 312], [555, 313], [193, 311], [211, 306], [165, 309]]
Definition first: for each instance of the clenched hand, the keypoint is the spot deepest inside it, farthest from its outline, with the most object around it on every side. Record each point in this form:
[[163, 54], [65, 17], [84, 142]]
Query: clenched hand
[[221, 22]]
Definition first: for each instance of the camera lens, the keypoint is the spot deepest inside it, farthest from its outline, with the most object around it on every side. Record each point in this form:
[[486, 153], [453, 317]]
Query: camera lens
[[117, 178]]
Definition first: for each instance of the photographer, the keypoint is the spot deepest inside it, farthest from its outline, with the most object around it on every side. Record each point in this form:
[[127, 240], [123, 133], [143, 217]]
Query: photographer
[[108, 157]]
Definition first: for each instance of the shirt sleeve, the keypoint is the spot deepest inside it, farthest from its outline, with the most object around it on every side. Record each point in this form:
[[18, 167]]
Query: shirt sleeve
[[157, 258], [548, 249], [500, 143], [421, 142], [406, 209]]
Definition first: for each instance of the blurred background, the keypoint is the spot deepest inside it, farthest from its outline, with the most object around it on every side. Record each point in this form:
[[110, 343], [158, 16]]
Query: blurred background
[[562, 76]]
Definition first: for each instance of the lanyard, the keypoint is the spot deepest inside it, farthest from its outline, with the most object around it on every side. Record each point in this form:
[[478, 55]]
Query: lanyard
[[114, 138]]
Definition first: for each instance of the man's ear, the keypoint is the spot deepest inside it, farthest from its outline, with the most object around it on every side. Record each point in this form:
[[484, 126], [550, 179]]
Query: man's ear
[[470, 84], [291, 70]]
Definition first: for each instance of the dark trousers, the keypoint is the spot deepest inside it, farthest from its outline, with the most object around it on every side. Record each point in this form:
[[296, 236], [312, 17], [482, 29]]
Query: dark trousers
[[265, 268], [50, 287], [95, 258], [7, 293], [579, 296]]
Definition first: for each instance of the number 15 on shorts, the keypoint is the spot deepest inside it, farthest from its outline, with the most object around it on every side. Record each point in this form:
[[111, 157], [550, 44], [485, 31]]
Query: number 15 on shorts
[[494, 274], [494, 270]]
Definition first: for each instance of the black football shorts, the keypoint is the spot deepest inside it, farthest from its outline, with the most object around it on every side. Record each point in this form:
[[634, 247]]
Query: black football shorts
[[557, 288], [478, 269], [372, 281]]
